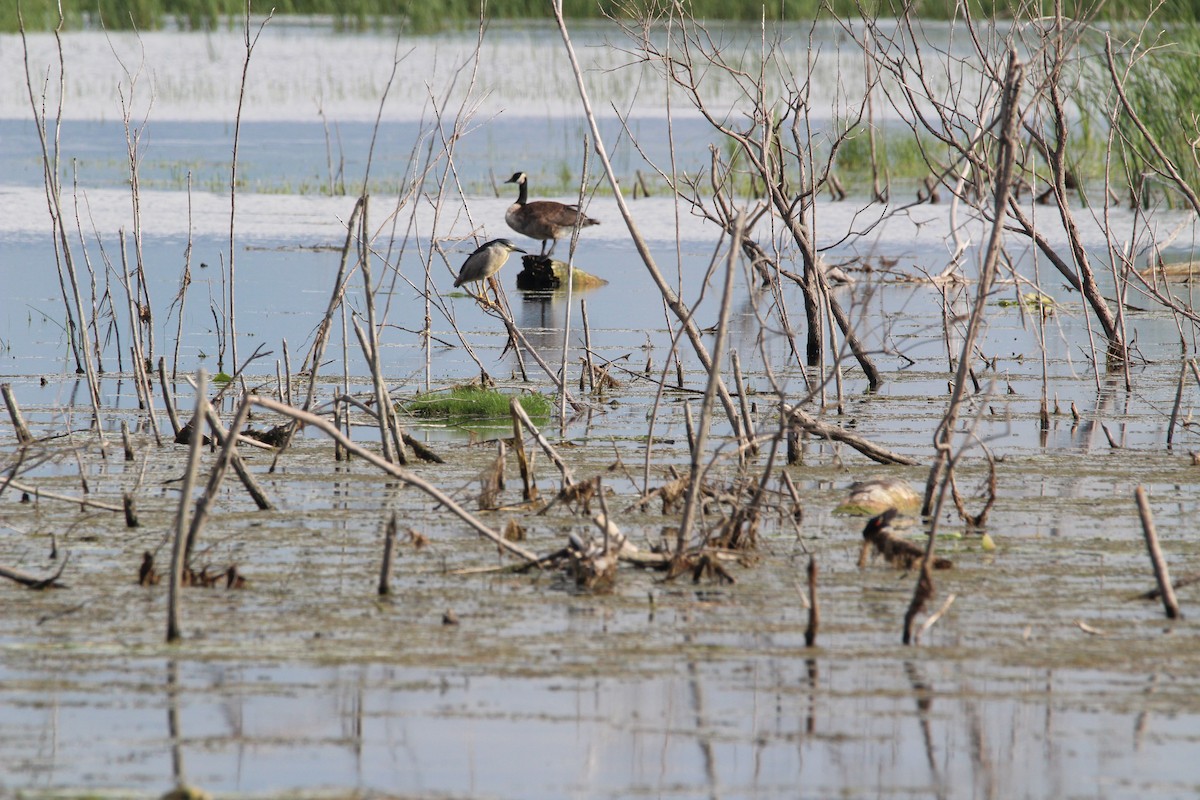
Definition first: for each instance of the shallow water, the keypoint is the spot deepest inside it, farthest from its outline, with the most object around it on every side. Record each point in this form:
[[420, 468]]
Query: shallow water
[[305, 683]]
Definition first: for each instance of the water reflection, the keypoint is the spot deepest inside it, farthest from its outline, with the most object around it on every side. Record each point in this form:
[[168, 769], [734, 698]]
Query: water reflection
[[746, 724]]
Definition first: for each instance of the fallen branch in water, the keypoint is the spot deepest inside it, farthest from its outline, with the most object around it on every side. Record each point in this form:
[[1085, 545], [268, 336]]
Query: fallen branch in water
[[41, 494], [1170, 604], [330, 430], [33, 582], [1178, 583], [837, 434]]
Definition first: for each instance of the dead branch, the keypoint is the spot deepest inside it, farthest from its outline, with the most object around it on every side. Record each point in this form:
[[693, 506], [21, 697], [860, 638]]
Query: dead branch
[[330, 430], [837, 434], [34, 582]]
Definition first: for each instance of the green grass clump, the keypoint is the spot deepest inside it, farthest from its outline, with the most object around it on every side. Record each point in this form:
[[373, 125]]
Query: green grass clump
[[474, 402]]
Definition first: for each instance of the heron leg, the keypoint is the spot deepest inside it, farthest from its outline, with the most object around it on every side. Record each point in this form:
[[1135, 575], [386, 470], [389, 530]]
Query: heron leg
[[492, 282]]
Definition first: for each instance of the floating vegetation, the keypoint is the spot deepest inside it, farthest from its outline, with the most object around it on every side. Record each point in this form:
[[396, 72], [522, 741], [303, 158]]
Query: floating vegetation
[[474, 402]]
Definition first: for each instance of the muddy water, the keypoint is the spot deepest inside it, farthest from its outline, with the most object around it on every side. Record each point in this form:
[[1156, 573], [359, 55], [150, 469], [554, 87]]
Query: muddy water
[[1045, 678], [306, 682]]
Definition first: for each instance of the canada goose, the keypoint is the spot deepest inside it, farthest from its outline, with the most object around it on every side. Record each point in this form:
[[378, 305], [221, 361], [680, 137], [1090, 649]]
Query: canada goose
[[486, 261], [542, 219]]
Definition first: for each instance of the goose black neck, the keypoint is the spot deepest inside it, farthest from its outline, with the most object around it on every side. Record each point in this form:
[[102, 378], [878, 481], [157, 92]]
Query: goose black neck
[[523, 192]]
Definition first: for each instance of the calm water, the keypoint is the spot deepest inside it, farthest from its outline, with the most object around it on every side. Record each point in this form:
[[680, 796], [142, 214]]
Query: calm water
[[305, 684]]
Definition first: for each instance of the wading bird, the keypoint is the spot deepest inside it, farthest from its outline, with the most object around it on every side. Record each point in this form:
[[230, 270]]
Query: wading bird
[[486, 261], [544, 220]]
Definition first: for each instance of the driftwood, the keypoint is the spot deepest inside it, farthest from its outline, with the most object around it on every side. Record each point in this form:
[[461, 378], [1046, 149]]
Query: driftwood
[[837, 434], [41, 494], [34, 582]]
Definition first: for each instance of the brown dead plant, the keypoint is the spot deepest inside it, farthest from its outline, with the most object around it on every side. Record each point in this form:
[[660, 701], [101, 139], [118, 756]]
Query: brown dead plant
[[878, 535]]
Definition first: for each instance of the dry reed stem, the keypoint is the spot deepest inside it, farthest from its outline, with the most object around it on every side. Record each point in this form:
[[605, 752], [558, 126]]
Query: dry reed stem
[[528, 487], [72, 302], [797, 505], [766, 162], [14, 414], [312, 361], [287, 374], [178, 547], [519, 413], [744, 402], [587, 348], [184, 282], [696, 477], [390, 436], [388, 440], [980, 519], [168, 403], [1178, 583], [233, 165], [689, 427], [566, 344], [682, 313], [1008, 117], [1161, 575], [403, 475], [126, 443], [231, 454], [921, 595]]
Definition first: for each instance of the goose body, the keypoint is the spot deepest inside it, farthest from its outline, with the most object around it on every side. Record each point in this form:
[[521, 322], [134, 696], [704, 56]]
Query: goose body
[[544, 220]]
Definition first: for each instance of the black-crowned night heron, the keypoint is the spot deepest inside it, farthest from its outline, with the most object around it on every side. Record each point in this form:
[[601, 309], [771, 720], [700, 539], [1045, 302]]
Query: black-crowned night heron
[[485, 261], [544, 220]]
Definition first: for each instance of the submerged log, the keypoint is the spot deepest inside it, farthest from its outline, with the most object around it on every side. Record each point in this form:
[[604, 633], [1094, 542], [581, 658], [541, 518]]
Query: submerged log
[[1183, 271], [542, 273]]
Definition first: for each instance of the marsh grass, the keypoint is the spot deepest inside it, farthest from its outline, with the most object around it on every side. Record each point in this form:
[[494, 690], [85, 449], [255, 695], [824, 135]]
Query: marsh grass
[[474, 403], [427, 16], [1166, 98], [903, 155]]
